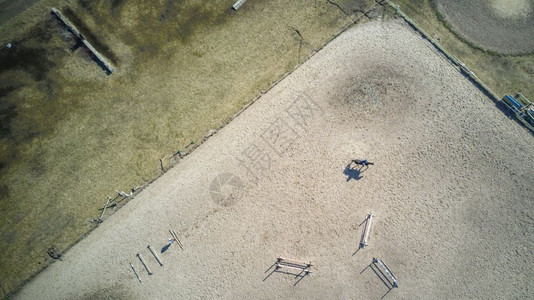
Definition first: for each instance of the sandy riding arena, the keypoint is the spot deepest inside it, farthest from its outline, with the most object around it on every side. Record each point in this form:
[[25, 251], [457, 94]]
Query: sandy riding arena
[[504, 26], [450, 188]]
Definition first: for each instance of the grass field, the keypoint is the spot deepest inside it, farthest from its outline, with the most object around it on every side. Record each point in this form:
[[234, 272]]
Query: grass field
[[71, 135]]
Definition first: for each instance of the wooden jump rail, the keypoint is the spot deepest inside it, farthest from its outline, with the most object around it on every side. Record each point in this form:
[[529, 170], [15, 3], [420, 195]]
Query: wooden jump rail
[[383, 268], [107, 65], [175, 237], [367, 230], [144, 264], [293, 264]]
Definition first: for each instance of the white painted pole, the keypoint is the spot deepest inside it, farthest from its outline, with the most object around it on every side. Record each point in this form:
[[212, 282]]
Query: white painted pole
[[137, 275], [367, 230], [144, 264], [155, 255]]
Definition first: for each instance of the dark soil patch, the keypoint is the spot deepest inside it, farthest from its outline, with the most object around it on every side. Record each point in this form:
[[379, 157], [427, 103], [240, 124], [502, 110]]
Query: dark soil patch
[[32, 60]]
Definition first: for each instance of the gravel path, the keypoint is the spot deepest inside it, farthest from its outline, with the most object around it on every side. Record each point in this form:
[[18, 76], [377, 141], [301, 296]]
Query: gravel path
[[451, 189]]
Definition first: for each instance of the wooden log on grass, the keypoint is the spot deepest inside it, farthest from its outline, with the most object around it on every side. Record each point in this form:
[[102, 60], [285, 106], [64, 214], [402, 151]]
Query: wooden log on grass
[[107, 65], [67, 23], [99, 57]]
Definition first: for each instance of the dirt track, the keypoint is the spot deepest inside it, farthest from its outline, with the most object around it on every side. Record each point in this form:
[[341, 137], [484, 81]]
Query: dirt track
[[451, 189]]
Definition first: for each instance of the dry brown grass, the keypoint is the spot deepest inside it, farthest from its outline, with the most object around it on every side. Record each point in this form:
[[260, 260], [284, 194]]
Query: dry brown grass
[[502, 26], [71, 135]]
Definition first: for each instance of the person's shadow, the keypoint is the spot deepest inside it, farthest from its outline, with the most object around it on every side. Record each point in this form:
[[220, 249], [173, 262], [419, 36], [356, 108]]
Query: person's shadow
[[353, 173], [165, 248]]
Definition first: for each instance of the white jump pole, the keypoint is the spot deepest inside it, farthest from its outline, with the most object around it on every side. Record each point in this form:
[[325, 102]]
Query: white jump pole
[[367, 230], [238, 4], [144, 263], [135, 272]]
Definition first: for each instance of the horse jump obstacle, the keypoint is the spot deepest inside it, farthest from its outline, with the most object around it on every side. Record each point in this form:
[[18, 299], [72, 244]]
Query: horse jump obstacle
[[144, 263], [382, 267], [107, 65], [175, 237], [367, 230], [135, 272], [238, 4], [293, 264], [155, 255]]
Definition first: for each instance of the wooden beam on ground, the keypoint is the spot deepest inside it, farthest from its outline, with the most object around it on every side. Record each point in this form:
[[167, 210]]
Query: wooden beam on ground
[[106, 64], [67, 23], [99, 57], [175, 237]]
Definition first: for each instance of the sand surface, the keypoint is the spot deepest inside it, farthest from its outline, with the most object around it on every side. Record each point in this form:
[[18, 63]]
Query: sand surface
[[451, 189]]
